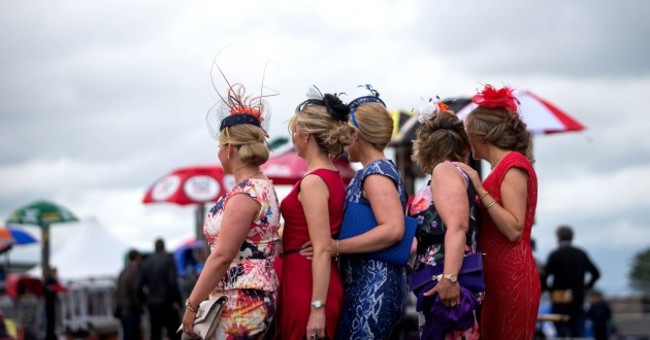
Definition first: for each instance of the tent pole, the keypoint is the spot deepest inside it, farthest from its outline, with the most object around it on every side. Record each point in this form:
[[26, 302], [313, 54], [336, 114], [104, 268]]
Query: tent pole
[[199, 217], [45, 250]]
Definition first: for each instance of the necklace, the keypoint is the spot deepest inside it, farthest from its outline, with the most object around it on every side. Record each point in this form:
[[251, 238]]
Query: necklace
[[251, 176]]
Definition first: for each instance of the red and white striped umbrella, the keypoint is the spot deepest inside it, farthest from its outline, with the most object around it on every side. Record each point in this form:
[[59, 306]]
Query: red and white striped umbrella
[[190, 185], [540, 116]]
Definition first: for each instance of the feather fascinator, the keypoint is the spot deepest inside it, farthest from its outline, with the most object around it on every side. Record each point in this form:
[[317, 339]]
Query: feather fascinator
[[492, 98], [237, 107]]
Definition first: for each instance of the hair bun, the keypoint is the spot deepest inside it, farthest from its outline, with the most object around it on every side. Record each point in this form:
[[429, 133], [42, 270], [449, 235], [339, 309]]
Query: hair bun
[[335, 107]]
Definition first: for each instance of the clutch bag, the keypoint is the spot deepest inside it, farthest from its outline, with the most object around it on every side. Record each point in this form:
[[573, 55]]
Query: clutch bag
[[207, 318], [358, 219], [470, 276]]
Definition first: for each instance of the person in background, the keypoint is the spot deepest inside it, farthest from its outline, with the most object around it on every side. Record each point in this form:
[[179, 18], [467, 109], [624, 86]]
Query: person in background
[[161, 291], [508, 198], [375, 291], [52, 287], [448, 219], [600, 316], [129, 297], [242, 227], [568, 266], [311, 291]]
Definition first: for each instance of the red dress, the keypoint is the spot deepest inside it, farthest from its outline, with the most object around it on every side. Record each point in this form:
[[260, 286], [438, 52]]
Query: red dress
[[296, 277], [512, 284]]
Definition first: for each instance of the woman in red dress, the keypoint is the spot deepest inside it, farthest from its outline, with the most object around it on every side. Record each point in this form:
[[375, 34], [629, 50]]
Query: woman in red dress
[[311, 291], [508, 197]]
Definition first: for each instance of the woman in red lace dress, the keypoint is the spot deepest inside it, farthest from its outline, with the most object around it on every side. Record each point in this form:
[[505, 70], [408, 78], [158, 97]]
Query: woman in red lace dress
[[508, 197], [311, 290]]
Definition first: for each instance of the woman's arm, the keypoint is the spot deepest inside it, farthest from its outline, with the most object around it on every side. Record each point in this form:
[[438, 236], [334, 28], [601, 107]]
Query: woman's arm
[[314, 197], [450, 199], [387, 208], [240, 211], [510, 217]]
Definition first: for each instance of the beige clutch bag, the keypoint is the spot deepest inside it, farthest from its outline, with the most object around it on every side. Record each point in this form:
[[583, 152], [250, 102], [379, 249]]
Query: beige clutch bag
[[207, 318]]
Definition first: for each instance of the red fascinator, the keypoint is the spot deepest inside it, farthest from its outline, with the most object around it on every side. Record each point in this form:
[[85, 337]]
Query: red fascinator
[[492, 98]]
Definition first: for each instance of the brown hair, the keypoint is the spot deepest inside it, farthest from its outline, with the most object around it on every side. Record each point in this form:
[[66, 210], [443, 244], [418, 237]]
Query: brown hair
[[249, 142], [375, 124], [500, 128], [441, 138]]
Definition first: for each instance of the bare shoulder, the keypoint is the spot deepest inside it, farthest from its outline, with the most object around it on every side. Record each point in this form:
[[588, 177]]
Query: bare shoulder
[[516, 174], [312, 182], [378, 180], [445, 170]]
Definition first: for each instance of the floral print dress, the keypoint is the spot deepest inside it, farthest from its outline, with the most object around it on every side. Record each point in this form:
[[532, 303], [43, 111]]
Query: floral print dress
[[251, 281], [430, 235]]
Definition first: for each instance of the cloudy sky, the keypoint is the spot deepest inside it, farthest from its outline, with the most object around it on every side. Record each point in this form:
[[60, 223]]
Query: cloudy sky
[[99, 99]]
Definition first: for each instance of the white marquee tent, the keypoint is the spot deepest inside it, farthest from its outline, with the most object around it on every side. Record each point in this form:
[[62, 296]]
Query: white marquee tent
[[91, 252]]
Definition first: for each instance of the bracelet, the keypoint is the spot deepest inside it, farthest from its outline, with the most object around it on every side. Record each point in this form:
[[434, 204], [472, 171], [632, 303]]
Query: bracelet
[[489, 205], [189, 306], [336, 249], [485, 194]]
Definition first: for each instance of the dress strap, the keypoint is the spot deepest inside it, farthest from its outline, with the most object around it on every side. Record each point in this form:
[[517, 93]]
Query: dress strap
[[462, 173]]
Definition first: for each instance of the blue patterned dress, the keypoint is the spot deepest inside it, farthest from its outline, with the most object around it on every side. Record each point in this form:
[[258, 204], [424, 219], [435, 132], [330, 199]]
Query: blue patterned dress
[[375, 291]]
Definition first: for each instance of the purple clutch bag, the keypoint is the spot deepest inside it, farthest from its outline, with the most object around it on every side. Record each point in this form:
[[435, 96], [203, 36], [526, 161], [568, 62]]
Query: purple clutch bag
[[440, 319], [470, 276]]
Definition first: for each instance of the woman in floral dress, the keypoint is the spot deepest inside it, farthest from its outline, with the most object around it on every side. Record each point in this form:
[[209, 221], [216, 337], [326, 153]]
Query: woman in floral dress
[[447, 221], [241, 229]]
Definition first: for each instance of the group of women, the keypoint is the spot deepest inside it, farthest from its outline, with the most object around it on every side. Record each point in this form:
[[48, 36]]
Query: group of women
[[328, 288]]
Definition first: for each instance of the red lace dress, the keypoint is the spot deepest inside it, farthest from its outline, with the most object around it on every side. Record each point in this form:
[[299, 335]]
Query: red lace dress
[[512, 285], [296, 276]]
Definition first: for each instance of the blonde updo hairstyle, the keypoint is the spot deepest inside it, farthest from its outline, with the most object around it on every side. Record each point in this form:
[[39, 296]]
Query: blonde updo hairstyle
[[501, 128], [441, 138], [375, 124], [331, 135], [248, 140]]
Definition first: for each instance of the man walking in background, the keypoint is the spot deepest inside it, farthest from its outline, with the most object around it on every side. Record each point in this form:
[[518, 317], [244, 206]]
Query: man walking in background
[[568, 266], [162, 293], [129, 298]]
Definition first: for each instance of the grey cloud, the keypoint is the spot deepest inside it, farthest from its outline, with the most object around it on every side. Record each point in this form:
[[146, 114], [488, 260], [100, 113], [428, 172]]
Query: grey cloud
[[578, 38]]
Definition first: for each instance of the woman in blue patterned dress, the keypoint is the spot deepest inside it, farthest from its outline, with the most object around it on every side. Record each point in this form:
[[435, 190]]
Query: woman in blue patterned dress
[[375, 291]]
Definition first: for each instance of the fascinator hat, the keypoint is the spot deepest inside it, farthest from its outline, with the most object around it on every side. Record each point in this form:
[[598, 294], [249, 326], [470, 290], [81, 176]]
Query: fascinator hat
[[331, 101], [493, 98], [372, 98], [237, 107], [431, 109]]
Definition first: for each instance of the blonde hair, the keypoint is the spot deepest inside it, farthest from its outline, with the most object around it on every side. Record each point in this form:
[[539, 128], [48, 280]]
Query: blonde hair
[[331, 135], [441, 138], [500, 128], [375, 124], [249, 142]]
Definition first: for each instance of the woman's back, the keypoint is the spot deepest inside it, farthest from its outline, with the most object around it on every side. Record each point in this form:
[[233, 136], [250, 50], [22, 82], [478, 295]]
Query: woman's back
[[296, 281]]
